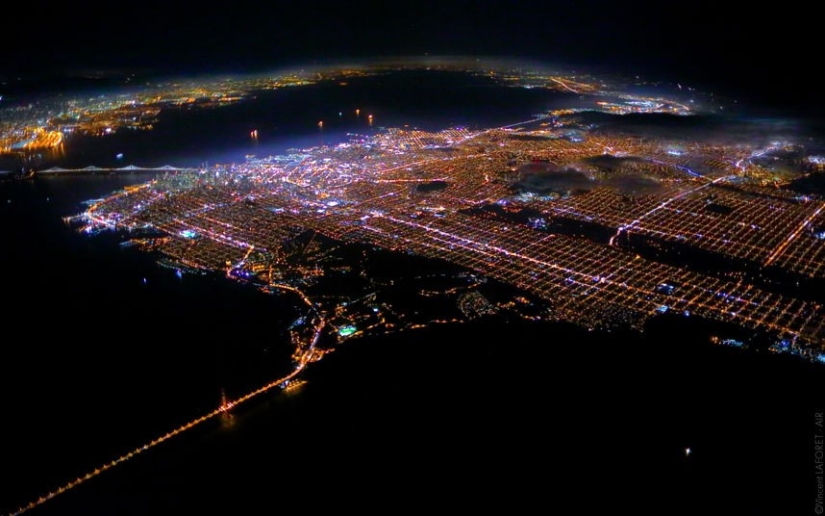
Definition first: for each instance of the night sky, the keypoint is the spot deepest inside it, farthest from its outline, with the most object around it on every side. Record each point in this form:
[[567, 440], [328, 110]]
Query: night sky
[[768, 52]]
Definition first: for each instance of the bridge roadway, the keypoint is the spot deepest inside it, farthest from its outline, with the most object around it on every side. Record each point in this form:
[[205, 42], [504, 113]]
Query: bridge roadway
[[109, 170], [306, 357]]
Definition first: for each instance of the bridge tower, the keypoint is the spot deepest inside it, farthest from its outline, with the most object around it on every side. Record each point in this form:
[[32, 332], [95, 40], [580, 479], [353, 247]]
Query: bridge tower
[[225, 406]]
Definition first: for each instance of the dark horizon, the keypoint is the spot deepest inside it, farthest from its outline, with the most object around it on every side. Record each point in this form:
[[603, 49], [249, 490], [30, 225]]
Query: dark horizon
[[763, 55]]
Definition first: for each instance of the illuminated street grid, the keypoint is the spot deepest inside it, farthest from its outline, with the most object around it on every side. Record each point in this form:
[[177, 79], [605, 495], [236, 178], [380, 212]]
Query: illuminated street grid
[[757, 229], [456, 196], [591, 284], [411, 191]]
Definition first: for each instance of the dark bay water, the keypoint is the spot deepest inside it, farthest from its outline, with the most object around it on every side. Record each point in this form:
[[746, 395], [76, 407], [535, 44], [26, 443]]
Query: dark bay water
[[288, 118], [96, 361], [104, 349]]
